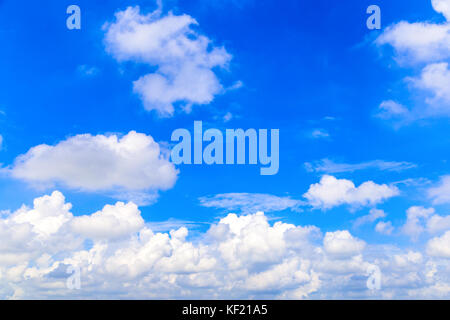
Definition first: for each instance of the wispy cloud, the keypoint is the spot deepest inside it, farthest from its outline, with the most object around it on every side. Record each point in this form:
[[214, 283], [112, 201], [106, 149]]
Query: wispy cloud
[[373, 215], [329, 166], [320, 134], [251, 202]]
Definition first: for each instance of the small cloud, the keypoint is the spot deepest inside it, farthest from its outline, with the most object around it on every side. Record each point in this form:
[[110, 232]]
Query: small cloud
[[390, 109], [320, 134], [235, 86], [88, 71], [329, 166], [331, 192], [227, 117], [384, 227], [373, 215]]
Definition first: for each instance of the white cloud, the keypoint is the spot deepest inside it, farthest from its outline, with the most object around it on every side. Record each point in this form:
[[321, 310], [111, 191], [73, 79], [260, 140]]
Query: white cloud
[[404, 260], [390, 109], [329, 166], [47, 216], [238, 257], [435, 79], [331, 192], [184, 59], [1, 142], [442, 6], [373, 215], [172, 224], [111, 222], [420, 220], [320, 134], [420, 42], [88, 71], [437, 223], [250, 202], [439, 246], [415, 218], [227, 117], [384, 227], [122, 166], [342, 244], [440, 194]]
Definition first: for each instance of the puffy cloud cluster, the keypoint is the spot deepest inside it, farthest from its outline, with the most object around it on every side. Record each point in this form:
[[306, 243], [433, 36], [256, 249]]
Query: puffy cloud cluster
[[119, 256], [184, 59], [420, 220], [419, 44], [440, 246], [133, 166], [331, 192]]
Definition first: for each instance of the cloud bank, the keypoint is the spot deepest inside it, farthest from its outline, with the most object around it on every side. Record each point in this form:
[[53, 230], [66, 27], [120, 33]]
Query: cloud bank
[[238, 257]]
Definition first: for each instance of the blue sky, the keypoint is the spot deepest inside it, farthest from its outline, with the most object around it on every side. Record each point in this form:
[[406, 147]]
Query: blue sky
[[375, 102]]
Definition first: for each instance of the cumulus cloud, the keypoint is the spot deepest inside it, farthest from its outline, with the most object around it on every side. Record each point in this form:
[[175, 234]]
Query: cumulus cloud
[[414, 222], [111, 222], [420, 220], [331, 192], [435, 79], [184, 58], [437, 223], [418, 42], [329, 166], [384, 227], [439, 246], [421, 41], [241, 256], [342, 244], [440, 194], [250, 202], [123, 166], [442, 6]]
